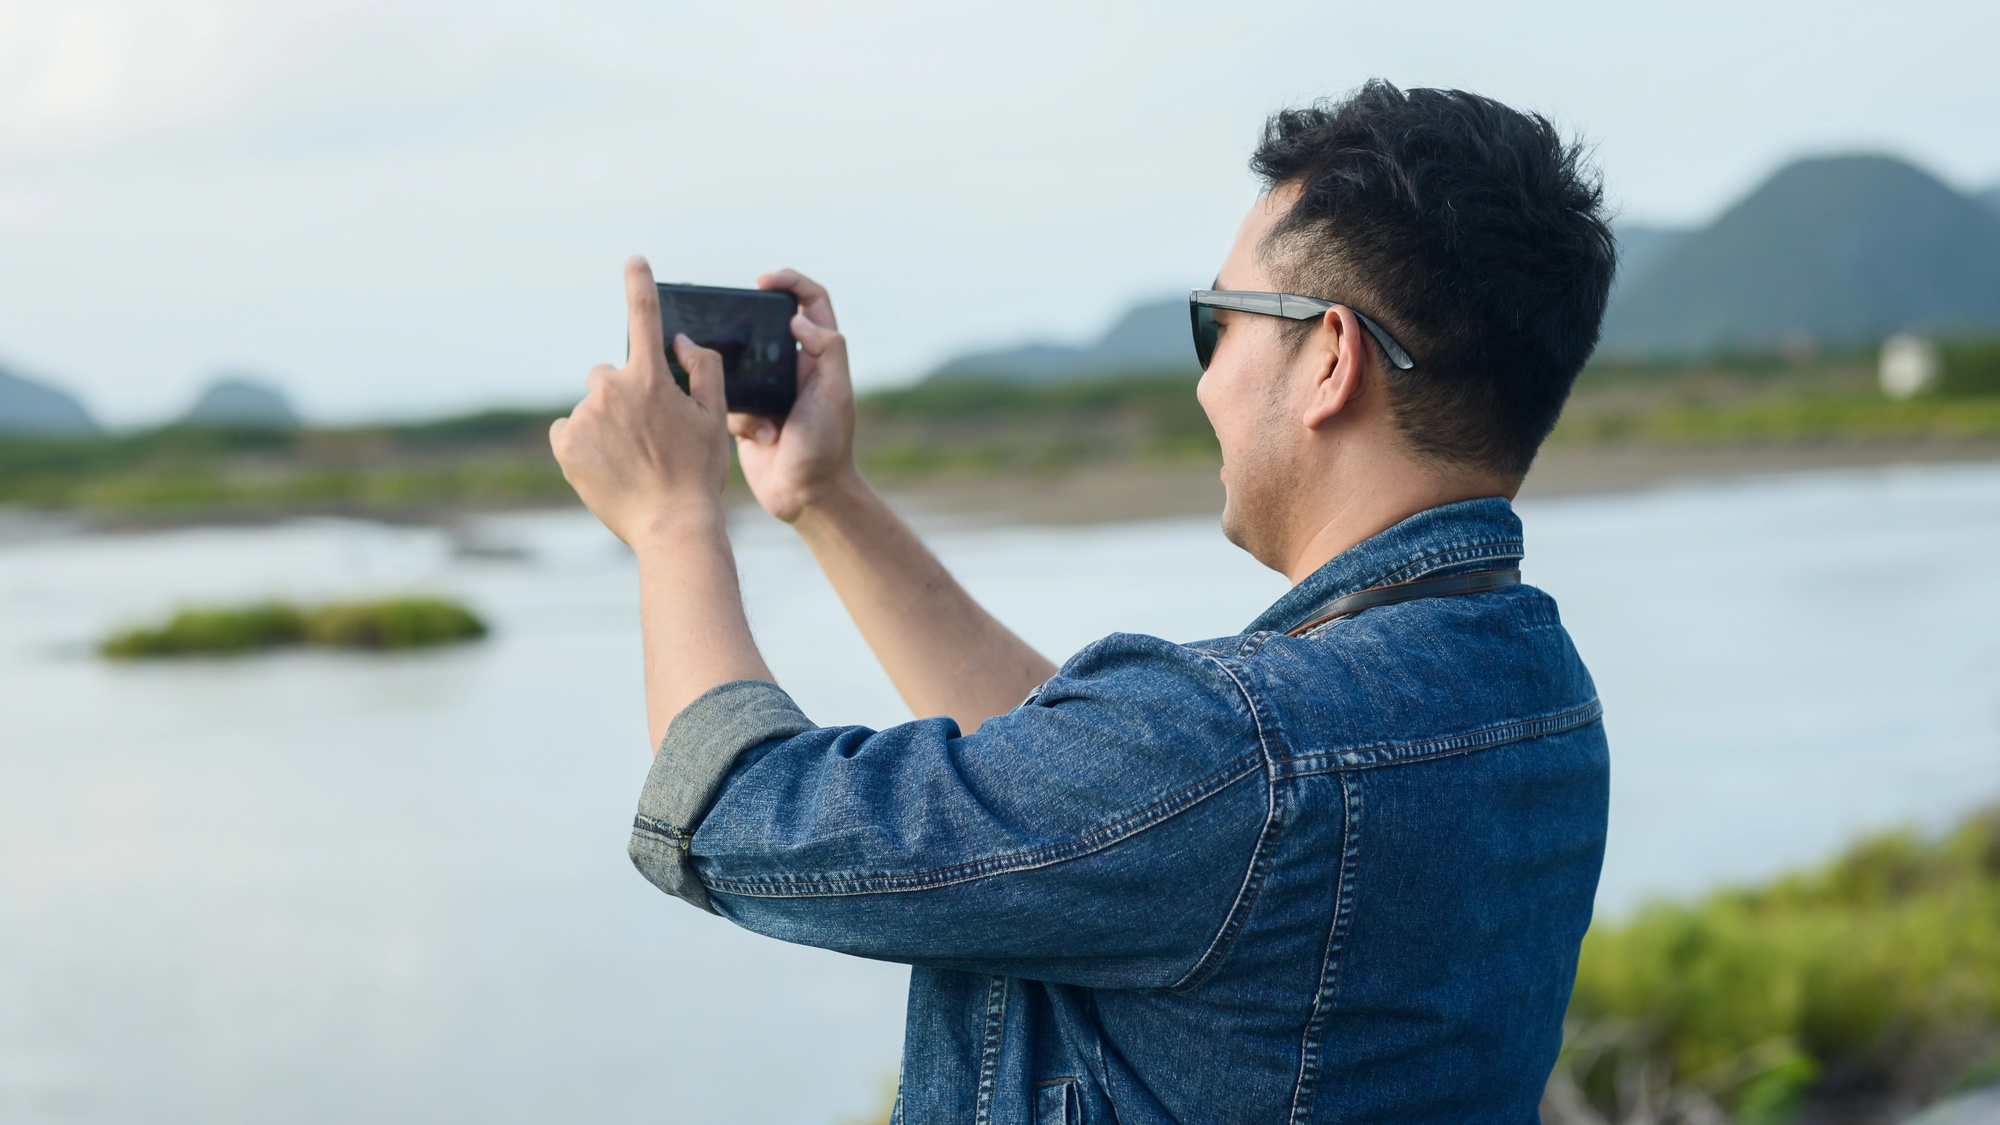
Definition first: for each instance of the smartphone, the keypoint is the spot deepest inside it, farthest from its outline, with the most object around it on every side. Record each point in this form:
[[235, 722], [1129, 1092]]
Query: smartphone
[[752, 328]]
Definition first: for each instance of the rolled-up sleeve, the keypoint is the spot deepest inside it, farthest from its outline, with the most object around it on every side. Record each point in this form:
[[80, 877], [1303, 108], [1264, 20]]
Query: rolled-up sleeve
[[1101, 833], [701, 746]]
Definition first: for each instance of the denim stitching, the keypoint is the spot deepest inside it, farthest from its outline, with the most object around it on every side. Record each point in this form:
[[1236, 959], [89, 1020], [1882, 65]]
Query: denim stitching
[[989, 1049], [1239, 912], [1070, 1098], [653, 826], [1368, 757], [768, 887], [1260, 856], [1452, 557], [1336, 941]]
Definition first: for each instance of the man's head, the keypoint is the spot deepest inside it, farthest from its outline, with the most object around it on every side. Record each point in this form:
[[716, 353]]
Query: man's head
[[1473, 233]]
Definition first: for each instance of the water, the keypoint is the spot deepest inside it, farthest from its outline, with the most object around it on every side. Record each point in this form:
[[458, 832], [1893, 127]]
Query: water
[[329, 888]]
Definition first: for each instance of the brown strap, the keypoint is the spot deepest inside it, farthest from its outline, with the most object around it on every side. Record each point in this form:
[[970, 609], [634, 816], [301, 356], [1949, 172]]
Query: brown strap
[[1478, 582]]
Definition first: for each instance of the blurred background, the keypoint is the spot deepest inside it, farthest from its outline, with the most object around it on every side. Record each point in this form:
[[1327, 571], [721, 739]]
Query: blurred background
[[320, 722]]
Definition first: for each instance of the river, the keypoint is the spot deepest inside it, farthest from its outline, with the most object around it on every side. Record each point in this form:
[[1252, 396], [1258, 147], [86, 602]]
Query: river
[[319, 888]]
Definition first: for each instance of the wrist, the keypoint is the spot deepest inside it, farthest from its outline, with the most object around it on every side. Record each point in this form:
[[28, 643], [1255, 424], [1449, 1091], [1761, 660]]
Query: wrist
[[830, 499], [677, 526]]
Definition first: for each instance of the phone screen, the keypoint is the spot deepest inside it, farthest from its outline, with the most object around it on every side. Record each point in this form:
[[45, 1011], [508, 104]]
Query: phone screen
[[752, 328]]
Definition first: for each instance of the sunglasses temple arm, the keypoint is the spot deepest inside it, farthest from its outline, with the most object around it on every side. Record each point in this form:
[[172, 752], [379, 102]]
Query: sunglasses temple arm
[[1395, 351]]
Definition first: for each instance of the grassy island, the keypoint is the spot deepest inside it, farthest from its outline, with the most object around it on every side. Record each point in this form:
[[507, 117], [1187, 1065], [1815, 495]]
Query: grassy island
[[397, 623], [1850, 993]]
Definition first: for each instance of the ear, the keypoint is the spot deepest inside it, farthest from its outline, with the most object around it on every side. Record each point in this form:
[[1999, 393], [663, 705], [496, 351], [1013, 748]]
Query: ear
[[1343, 365]]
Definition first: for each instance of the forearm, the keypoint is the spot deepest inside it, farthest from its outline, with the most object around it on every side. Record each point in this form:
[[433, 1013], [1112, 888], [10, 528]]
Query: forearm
[[691, 615], [945, 654]]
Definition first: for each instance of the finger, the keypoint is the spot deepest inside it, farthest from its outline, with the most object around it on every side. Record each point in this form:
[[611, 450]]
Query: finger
[[816, 339], [599, 375], [814, 301], [827, 349], [642, 303], [810, 335], [556, 429], [704, 368], [753, 428]]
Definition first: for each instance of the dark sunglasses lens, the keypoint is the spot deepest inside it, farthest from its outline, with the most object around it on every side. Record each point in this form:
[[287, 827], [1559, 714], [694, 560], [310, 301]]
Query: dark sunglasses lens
[[1204, 333]]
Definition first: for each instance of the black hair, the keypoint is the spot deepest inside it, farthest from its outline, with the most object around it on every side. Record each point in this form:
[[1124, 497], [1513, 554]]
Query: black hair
[[1475, 233]]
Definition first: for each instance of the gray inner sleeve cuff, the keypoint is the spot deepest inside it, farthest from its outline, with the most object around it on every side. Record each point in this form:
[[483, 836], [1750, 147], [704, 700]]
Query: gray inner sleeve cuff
[[702, 744]]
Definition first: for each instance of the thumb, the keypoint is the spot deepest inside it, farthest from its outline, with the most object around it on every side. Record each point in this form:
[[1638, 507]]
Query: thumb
[[704, 368]]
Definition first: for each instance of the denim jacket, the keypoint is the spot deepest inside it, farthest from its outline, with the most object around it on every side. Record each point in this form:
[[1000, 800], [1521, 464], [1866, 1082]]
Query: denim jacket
[[1334, 877]]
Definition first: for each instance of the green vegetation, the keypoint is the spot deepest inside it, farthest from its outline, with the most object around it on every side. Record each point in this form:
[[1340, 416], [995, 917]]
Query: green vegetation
[[968, 426], [1771, 399], [1872, 982], [1778, 419], [954, 428], [396, 623], [491, 459], [501, 458], [1969, 367]]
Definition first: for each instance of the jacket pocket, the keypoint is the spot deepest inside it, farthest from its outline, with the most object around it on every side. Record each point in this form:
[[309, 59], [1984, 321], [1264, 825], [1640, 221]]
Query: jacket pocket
[[1056, 1103]]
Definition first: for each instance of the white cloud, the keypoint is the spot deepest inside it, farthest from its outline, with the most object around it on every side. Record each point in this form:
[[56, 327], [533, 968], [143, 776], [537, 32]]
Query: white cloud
[[78, 72]]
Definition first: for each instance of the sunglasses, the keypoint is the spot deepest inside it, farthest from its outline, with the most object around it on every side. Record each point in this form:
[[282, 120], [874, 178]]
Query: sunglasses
[[1202, 304]]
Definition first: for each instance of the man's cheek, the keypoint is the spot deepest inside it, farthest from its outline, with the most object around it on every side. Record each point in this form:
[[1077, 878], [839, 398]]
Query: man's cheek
[[1227, 423]]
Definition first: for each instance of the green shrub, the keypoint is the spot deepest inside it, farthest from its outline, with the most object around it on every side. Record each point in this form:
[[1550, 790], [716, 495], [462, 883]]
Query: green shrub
[[218, 631], [406, 623], [396, 623], [1876, 977], [1969, 367], [1803, 418]]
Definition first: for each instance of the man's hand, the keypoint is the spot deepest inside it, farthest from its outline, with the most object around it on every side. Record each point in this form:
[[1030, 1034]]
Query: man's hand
[[641, 453], [650, 461], [946, 655], [793, 464]]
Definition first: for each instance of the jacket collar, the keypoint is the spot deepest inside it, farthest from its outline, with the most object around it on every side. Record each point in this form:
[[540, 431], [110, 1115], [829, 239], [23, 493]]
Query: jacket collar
[[1450, 539]]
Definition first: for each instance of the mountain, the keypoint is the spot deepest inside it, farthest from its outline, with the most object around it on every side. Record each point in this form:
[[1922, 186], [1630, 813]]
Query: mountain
[[28, 407], [242, 402], [1840, 250], [1150, 339], [1642, 247]]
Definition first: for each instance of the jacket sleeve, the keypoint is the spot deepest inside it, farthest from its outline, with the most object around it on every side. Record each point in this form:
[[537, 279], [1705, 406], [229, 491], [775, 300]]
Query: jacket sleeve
[[1101, 833]]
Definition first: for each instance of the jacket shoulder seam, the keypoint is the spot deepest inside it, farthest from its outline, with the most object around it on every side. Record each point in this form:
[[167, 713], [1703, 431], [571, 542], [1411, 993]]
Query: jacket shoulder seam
[[1260, 854]]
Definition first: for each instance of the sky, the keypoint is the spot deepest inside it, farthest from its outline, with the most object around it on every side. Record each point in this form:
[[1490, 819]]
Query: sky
[[396, 210]]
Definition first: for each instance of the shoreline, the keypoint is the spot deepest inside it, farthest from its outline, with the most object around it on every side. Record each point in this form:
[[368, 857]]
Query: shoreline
[[1572, 470], [1118, 493], [1114, 494]]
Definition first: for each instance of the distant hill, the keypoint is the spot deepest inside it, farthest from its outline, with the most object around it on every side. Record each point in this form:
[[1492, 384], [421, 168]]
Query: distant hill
[[1150, 339], [1641, 247], [1839, 250], [245, 402], [28, 407], [1834, 251]]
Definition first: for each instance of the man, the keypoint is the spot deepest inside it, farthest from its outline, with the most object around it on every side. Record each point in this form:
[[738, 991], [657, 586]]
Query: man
[[1334, 868]]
